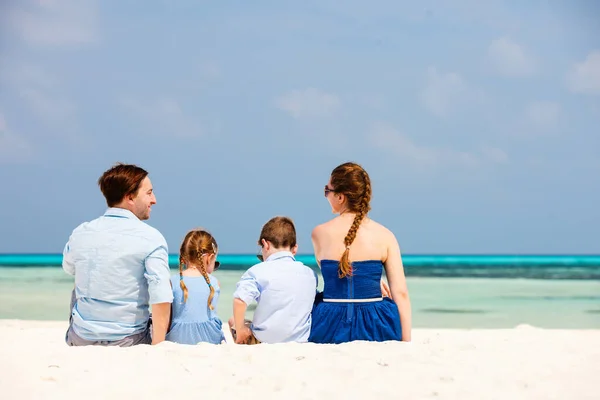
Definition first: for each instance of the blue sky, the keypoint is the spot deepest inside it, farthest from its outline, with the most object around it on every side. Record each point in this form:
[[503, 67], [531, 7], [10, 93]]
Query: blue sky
[[475, 119]]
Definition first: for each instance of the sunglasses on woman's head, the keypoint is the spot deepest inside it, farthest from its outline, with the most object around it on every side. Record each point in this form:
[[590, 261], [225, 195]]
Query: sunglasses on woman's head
[[328, 190]]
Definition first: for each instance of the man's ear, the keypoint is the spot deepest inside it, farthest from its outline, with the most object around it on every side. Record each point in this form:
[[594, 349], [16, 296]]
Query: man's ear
[[295, 249], [129, 197]]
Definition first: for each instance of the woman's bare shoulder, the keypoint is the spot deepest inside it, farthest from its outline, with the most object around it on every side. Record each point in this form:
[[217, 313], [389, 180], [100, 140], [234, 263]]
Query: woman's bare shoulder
[[321, 229], [382, 231], [327, 230]]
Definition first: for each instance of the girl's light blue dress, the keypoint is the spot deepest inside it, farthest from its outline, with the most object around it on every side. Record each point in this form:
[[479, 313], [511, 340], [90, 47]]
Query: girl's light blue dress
[[193, 322]]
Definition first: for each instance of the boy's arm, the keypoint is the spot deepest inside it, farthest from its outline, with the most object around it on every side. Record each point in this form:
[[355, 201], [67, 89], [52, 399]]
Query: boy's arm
[[239, 312], [247, 290]]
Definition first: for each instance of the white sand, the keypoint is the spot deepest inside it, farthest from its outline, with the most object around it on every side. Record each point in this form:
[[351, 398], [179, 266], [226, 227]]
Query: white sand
[[521, 363]]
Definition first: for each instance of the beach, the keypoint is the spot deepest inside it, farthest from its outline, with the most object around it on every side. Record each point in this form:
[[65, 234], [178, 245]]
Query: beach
[[520, 363], [473, 338]]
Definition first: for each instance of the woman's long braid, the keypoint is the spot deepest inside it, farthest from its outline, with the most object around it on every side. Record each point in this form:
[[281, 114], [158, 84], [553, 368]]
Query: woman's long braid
[[345, 268], [206, 277]]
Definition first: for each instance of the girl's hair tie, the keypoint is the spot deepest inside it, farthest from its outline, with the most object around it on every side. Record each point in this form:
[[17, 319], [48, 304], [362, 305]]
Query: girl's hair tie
[[209, 285]]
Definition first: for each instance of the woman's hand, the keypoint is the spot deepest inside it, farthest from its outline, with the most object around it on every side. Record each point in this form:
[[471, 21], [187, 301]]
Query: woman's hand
[[385, 289]]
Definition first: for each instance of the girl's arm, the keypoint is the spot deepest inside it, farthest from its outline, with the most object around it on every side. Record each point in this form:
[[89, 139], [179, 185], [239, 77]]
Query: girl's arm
[[395, 274]]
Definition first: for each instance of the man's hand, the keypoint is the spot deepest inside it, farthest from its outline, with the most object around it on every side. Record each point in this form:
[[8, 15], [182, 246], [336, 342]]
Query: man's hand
[[242, 335], [385, 289]]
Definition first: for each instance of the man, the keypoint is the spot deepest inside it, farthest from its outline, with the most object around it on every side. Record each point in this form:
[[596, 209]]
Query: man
[[121, 267], [283, 288]]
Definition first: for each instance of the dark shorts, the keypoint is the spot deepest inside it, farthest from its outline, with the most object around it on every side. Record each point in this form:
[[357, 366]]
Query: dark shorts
[[73, 339]]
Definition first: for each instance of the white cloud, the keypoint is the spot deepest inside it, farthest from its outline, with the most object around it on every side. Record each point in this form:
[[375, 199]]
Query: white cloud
[[308, 103], [162, 115], [387, 138], [444, 92], [209, 70], [42, 93], [584, 77], [509, 58], [55, 22], [543, 114], [494, 154], [27, 75], [49, 107], [13, 148]]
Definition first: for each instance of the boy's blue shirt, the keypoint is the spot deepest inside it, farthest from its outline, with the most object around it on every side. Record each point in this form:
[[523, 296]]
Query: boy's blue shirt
[[284, 290]]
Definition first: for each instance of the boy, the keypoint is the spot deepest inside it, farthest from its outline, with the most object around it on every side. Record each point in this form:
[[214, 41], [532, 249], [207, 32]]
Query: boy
[[283, 288]]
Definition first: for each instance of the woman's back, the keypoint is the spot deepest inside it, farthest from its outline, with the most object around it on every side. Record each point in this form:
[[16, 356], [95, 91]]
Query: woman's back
[[352, 306], [364, 283], [371, 241]]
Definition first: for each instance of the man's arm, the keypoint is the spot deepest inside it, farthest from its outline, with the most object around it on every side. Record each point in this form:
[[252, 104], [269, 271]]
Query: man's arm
[[161, 313], [68, 263], [159, 288]]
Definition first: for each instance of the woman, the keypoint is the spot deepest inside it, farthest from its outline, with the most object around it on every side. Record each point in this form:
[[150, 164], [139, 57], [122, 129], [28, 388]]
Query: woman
[[352, 306]]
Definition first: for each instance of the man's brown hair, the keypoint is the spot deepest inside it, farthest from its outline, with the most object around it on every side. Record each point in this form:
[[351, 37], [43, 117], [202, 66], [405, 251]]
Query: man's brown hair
[[120, 181], [280, 231]]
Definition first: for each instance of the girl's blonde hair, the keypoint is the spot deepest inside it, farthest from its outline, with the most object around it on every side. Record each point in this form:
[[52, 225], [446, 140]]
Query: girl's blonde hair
[[196, 244]]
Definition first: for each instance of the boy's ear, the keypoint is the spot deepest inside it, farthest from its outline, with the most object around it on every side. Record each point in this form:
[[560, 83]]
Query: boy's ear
[[295, 249]]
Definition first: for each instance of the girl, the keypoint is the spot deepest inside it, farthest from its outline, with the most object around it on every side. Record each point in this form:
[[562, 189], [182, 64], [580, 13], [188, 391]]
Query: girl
[[196, 292]]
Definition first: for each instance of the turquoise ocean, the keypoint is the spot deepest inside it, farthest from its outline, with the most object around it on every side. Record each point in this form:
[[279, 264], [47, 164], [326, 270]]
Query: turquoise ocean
[[447, 291]]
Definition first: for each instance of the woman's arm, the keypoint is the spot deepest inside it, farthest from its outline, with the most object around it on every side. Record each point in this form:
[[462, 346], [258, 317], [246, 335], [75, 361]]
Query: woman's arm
[[315, 239], [395, 274]]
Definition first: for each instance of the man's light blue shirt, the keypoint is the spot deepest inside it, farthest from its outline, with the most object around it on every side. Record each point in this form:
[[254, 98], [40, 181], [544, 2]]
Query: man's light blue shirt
[[284, 290], [121, 266]]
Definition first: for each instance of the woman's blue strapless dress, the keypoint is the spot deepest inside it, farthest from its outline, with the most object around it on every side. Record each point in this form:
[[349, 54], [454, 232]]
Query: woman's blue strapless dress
[[340, 322]]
